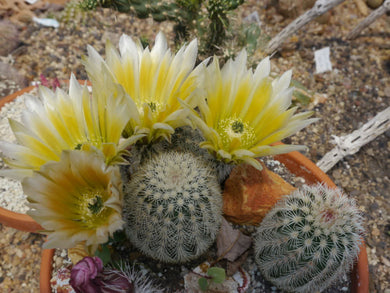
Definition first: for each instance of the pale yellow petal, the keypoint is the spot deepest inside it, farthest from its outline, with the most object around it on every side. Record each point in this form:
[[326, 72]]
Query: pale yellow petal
[[243, 112], [76, 199]]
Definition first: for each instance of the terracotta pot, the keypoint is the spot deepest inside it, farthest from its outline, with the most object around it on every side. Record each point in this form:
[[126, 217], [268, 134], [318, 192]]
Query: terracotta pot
[[9, 218], [297, 164]]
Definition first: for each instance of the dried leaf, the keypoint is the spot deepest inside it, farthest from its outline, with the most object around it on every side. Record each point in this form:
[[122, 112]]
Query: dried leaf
[[233, 266], [231, 242]]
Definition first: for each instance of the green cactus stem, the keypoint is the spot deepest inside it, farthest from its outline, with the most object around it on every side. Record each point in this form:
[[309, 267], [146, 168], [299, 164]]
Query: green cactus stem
[[173, 207], [309, 239]]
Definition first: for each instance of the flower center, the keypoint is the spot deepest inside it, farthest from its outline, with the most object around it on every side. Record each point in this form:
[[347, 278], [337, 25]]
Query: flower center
[[153, 106], [234, 128], [238, 127], [96, 205], [91, 210]]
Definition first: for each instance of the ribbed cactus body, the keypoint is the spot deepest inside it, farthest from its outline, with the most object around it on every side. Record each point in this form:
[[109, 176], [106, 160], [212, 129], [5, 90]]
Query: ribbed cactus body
[[309, 239], [173, 207], [185, 139]]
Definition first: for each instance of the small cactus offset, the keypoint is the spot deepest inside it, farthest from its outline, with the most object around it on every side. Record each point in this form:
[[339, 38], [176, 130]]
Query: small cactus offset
[[173, 207], [309, 239]]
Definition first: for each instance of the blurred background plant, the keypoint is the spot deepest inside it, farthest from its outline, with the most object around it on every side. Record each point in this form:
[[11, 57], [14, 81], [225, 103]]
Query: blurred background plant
[[76, 11], [213, 22]]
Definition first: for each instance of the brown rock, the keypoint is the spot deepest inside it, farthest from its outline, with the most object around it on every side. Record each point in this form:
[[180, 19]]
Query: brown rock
[[10, 73], [292, 8], [9, 37], [249, 194], [374, 4]]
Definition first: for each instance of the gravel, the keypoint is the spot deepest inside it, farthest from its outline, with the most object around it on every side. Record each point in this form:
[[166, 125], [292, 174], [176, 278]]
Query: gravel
[[11, 192]]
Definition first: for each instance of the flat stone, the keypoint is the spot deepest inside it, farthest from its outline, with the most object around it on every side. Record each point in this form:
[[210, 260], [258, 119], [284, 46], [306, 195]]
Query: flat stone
[[249, 194]]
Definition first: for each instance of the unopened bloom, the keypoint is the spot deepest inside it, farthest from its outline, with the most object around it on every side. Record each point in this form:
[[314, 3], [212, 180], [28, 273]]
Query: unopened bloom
[[60, 121], [154, 79], [243, 112], [89, 276], [76, 199], [83, 274]]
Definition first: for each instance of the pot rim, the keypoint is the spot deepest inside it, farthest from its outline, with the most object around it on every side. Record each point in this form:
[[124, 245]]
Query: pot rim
[[20, 221], [9, 218]]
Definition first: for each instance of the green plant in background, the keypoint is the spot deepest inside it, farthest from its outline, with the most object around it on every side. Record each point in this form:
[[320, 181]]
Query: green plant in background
[[301, 94], [182, 12], [158, 10], [173, 207], [77, 11], [219, 22], [309, 239], [207, 19], [88, 5], [249, 36], [244, 35]]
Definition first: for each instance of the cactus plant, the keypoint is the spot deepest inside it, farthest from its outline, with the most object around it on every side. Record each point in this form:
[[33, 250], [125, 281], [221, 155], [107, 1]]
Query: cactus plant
[[173, 207], [309, 239], [182, 12], [76, 11], [217, 14], [207, 19], [184, 139], [187, 139]]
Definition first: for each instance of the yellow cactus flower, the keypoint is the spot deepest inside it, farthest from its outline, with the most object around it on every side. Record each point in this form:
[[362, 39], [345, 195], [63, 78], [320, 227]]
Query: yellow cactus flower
[[154, 79], [243, 112], [78, 198], [60, 121]]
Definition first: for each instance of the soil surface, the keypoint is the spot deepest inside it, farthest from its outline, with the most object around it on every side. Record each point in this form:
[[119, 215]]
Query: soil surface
[[357, 88]]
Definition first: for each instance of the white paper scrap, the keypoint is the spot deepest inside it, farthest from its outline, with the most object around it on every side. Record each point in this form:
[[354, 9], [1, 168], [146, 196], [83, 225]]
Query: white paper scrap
[[322, 59], [47, 22], [31, 2]]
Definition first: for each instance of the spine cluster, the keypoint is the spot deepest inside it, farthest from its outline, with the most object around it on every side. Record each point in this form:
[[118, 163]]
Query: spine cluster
[[173, 207], [309, 239]]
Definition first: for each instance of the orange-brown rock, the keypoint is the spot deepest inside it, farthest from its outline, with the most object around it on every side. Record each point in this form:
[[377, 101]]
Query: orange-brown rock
[[249, 194]]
